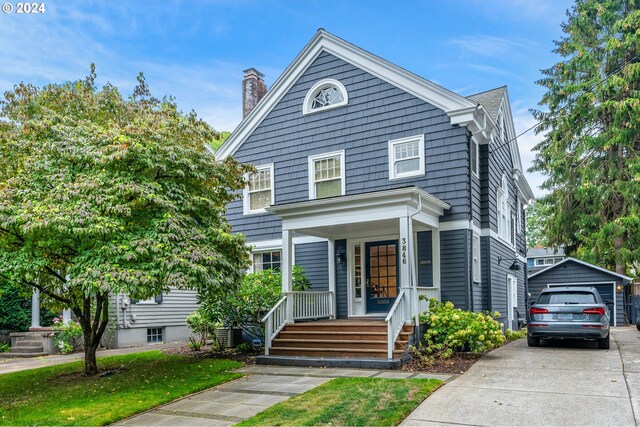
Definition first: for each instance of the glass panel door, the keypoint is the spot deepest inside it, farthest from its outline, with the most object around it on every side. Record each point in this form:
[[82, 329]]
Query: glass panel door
[[381, 275]]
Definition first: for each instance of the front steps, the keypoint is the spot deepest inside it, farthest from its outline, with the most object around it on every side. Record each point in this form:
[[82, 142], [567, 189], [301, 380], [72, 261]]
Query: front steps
[[345, 343], [27, 344]]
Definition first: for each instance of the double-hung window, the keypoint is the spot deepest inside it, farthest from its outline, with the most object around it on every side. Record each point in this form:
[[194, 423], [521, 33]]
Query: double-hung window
[[258, 194], [326, 175], [476, 258], [406, 157], [266, 260]]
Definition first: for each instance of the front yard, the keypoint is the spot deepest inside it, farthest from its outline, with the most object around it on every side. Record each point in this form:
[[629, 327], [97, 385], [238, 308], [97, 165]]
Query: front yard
[[62, 395], [351, 402]]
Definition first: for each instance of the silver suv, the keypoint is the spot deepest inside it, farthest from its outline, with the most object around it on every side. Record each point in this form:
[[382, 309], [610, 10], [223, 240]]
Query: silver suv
[[569, 312]]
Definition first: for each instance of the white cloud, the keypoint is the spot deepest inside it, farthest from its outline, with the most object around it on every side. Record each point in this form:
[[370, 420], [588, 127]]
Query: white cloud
[[490, 46]]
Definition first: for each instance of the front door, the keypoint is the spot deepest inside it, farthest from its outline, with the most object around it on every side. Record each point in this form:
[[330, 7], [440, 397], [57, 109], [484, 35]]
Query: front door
[[382, 275]]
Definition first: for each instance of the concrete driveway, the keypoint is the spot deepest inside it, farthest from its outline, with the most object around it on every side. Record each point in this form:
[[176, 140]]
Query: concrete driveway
[[556, 384]]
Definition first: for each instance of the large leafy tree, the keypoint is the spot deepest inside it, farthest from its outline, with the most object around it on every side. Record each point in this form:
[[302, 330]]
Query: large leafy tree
[[591, 147], [102, 194]]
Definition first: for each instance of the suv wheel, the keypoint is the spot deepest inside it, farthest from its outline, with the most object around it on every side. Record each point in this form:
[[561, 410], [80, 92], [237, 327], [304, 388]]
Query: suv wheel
[[533, 342], [604, 343]]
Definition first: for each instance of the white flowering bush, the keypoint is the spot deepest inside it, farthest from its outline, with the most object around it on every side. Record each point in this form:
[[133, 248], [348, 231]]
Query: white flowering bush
[[451, 330]]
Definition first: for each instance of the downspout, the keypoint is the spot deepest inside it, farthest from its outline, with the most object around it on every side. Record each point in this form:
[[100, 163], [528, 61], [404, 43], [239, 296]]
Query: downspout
[[470, 253]]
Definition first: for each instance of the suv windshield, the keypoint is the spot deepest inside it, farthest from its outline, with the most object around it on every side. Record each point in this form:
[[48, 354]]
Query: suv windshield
[[568, 297]]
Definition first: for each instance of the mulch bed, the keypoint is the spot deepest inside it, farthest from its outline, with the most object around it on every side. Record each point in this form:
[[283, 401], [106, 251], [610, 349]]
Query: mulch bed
[[458, 363], [206, 352]]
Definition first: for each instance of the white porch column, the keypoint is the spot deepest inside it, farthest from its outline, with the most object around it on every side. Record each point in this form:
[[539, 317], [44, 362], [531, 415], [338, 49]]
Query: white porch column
[[435, 260], [66, 315], [286, 265], [331, 244], [406, 249], [35, 309]]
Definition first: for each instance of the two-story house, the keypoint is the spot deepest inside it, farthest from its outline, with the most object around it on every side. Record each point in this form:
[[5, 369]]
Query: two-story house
[[384, 186]]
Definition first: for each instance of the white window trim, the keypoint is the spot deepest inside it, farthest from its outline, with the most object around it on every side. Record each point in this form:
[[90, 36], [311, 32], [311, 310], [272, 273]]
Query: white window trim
[[323, 84], [519, 217], [246, 205], [148, 301], [312, 172], [251, 269], [474, 142], [502, 192], [476, 253], [391, 156]]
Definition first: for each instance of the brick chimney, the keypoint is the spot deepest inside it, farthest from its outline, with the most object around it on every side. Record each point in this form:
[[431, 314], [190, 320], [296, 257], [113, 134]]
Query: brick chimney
[[253, 89]]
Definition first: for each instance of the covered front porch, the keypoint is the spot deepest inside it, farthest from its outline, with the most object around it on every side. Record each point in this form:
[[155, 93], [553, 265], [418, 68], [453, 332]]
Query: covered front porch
[[373, 261]]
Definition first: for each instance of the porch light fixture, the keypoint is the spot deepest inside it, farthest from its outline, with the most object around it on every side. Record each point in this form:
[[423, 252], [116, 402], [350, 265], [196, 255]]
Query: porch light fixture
[[514, 263], [339, 256]]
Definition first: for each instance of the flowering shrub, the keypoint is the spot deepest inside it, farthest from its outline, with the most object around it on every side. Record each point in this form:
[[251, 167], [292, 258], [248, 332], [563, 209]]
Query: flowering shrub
[[245, 306], [452, 329], [68, 336]]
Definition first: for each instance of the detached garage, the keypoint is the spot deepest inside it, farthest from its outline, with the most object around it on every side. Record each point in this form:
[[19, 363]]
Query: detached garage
[[573, 272]]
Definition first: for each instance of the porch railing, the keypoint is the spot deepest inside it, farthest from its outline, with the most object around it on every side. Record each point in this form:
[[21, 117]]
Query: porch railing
[[396, 319], [312, 305], [301, 305], [274, 321], [423, 304]]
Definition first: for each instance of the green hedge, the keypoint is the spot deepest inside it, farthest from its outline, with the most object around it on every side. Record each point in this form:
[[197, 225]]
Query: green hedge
[[15, 310]]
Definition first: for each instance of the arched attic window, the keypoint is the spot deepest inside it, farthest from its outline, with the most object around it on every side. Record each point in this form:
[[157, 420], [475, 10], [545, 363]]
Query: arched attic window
[[324, 95]]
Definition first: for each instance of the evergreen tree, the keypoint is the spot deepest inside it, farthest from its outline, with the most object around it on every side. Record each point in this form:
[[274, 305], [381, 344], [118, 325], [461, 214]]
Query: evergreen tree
[[591, 147]]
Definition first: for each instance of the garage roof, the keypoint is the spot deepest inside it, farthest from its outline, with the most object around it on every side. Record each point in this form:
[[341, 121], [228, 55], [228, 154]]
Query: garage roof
[[625, 279]]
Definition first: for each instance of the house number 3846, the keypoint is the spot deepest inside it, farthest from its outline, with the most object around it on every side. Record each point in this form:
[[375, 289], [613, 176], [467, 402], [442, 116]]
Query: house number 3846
[[404, 250]]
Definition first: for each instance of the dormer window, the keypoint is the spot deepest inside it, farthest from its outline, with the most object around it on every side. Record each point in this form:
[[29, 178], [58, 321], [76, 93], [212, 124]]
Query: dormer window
[[324, 95]]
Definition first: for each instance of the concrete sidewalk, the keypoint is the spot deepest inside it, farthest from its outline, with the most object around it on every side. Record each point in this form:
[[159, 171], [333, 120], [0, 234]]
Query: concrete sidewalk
[[22, 364], [556, 384], [263, 387]]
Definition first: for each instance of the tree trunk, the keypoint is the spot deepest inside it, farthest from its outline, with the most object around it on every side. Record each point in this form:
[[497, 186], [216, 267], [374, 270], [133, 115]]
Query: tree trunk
[[90, 363], [93, 327]]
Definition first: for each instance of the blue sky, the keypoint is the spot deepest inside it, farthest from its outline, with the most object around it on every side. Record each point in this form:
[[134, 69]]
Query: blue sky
[[196, 50]]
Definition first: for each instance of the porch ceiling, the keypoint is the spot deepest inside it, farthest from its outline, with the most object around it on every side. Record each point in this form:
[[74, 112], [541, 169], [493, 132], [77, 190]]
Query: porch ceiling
[[359, 214]]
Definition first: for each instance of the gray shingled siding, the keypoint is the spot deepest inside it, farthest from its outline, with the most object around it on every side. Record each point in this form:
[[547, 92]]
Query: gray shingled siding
[[476, 189], [454, 267], [485, 267], [573, 272], [377, 112], [342, 298], [498, 284], [313, 258], [425, 259]]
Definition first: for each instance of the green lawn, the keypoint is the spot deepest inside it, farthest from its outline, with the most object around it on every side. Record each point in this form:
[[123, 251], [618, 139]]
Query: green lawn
[[349, 401], [61, 395]]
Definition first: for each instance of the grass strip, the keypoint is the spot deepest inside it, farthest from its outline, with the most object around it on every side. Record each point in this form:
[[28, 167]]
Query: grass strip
[[62, 395], [349, 401]]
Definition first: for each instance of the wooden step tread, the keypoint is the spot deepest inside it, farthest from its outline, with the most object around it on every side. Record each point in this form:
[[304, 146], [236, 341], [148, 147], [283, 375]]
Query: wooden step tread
[[291, 340], [371, 333], [334, 350], [355, 323]]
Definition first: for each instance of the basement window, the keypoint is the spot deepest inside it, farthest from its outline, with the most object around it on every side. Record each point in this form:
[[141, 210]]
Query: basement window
[[154, 335]]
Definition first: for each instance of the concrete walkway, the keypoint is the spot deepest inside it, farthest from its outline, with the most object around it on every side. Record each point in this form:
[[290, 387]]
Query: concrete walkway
[[22, 364], [556, 384], [264, 386]]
